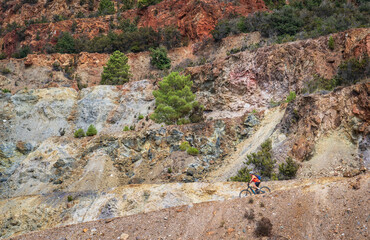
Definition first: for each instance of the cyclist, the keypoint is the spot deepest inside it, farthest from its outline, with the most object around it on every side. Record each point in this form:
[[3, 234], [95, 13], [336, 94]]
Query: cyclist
[[256, 180]]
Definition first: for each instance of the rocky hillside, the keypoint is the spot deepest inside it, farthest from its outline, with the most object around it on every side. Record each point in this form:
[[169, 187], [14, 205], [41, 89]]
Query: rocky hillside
[[309, 97], [194, 19]]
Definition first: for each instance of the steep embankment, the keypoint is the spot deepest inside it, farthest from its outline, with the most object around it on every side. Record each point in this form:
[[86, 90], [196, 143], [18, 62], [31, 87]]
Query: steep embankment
[[311, 209], [236, 161]]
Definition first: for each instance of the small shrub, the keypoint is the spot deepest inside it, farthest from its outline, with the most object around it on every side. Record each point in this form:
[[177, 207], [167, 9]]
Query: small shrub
[[192, 151], [159, 58], [319, 83], [183, 121], [38, 36], [250, 201], [69, 198], [22, 52], [169, 170], [74, 26], [127, 5], [79, 133], [288, 170], [6, 90], [249, 214], [58, 18], [66, 43], [29, 1], [80, 15], [263, 228], [242, 175], [184, 146], [352, 71], [2, 55], [331, 43], [106, 7], [91, 5], [5, 70], [146, 3], [291, 97], [140, 117], [56, 66], [262, 205], [132, 127], [126, 128], [91, 131]]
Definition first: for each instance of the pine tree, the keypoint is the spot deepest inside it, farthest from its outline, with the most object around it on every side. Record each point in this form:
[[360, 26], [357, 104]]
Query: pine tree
[[175, 100], [65, 44], [106, 7], [159, 58], [117, 70]]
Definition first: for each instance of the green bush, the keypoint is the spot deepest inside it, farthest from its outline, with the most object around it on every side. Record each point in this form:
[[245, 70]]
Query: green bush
[[170, 37], [127, 5], [127, 26], [58, 18], [159, 59], [66, 43], [184, 146], [242, 175], [291, 97], [288, 170], [126, 128], [69, 198], [146, 3], [79, 133], [117, 71], [192, 151], [298, 20], [183, 121], [6, 90], [91, 131], [5, 70], [140, 117], [331, 43], [352, 71], [132, 127], [262, 160], [319, 83], [175, 100], [22, 52], [2, 55], [106, 7]]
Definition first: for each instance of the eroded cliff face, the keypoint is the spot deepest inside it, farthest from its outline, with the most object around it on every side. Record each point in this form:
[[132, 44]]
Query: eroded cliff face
[[194, 19]]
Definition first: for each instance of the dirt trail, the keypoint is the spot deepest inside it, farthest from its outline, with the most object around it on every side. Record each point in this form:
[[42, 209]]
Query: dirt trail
[[231, 166], [328, 208]]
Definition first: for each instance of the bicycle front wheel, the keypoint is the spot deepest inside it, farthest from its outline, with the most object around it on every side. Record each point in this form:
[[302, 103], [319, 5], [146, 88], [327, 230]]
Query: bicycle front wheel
[[244, 193], [264, 189]]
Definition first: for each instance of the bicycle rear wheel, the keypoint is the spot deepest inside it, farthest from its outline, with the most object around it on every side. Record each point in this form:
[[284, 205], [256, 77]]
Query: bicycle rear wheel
[[264, 189], [244, 193]]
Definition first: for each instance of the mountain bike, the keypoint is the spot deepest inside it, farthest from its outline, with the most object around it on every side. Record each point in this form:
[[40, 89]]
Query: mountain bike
[[249, 191]]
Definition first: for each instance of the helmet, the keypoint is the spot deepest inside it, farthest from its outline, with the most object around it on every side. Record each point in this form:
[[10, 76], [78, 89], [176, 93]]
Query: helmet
[[251, 172]]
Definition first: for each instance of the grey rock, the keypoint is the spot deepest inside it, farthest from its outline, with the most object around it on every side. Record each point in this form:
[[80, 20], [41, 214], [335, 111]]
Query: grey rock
[[251, 120]]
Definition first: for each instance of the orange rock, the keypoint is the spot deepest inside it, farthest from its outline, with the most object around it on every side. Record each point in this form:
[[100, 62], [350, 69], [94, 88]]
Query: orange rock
[[85, 230], [230, 230], [211, 233]]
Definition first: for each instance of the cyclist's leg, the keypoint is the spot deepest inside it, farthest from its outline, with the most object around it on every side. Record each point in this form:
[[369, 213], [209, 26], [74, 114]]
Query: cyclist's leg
[[258, 187]]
